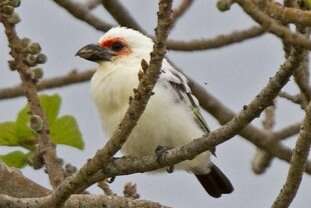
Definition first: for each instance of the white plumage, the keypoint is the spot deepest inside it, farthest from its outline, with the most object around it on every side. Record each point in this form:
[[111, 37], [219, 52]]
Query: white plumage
[[167, 120], [172, 117]]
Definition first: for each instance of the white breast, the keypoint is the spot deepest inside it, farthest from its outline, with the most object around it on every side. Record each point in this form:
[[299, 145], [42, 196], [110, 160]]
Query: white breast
[[164, 122]]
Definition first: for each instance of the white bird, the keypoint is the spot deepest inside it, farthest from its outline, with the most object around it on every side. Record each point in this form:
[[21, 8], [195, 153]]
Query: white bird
[[172, 117]]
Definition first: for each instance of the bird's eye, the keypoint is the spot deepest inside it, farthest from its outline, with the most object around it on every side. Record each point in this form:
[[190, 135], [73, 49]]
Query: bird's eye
[[117, 46]]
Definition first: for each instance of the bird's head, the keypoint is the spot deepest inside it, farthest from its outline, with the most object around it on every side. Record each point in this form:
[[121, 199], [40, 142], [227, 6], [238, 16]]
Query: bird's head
[[119, 44]]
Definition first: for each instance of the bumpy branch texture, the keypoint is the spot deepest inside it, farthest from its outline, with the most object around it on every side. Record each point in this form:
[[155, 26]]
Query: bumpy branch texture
[[298, 164], [94, 201], [288, 15], [273, 25], [45, 146], [14, 185]]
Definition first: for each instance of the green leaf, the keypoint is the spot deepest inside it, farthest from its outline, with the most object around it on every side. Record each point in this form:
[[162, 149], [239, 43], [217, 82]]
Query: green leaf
[[50, 105], [65, 130], [8, 134], [16, 159], [23, 132]]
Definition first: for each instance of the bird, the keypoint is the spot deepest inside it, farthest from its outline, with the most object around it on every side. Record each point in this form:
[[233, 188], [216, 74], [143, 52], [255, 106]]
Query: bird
[[172, 117]]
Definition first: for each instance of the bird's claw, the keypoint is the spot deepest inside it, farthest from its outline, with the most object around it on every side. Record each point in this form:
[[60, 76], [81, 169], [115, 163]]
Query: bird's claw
[[111, 179], [160, 153]]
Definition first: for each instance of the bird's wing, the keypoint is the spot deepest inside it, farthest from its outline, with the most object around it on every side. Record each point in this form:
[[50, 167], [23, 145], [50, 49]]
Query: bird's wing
[[179, 84]]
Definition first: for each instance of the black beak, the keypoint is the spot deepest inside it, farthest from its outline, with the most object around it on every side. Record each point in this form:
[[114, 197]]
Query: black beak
[[94, 52]]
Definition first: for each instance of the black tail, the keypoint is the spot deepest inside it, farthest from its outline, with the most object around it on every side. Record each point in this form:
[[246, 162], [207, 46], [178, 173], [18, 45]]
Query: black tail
[[215, 182]]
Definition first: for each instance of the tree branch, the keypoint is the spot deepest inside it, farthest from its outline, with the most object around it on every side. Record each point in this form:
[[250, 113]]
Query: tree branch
[[252, 134], [13, 183], [17, 186], [288, 131], [82, 13], [262, 159], [273, 26], [287, 14], [215, 42], [298, 164], [72, 77], [92, 4], [296, 99], [47, 149], [94, 201], [179, 11], [121, 15]]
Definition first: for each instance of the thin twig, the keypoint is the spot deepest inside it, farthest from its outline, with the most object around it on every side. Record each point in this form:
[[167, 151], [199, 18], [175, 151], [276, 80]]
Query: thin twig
[[273, 26], [92, 4], [298, 164], [106, 188], [296, 99], [180, 10], [287, 131], [216, 42], [121, 15], [82, 13], [262, 158], [301, 78], [72, 77]]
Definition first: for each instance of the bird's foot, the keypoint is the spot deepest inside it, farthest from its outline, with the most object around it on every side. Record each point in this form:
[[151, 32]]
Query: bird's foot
[[160, 153], [111, 179]]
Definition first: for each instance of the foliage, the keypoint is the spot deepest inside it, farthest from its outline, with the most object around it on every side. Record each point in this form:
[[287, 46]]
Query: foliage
[[64, 130]]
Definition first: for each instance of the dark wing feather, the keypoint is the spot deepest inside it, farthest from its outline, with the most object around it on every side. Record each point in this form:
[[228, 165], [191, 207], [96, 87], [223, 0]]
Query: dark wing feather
[[178, 82]]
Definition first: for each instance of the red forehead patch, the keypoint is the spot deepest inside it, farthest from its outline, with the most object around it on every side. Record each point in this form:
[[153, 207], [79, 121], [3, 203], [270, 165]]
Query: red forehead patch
[[107, 42]]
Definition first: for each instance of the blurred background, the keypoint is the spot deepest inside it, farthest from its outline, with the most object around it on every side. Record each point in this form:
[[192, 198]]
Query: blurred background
[[234, 74]]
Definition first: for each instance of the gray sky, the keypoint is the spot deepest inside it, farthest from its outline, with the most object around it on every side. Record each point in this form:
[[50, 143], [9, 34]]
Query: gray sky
[[235, 74]]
